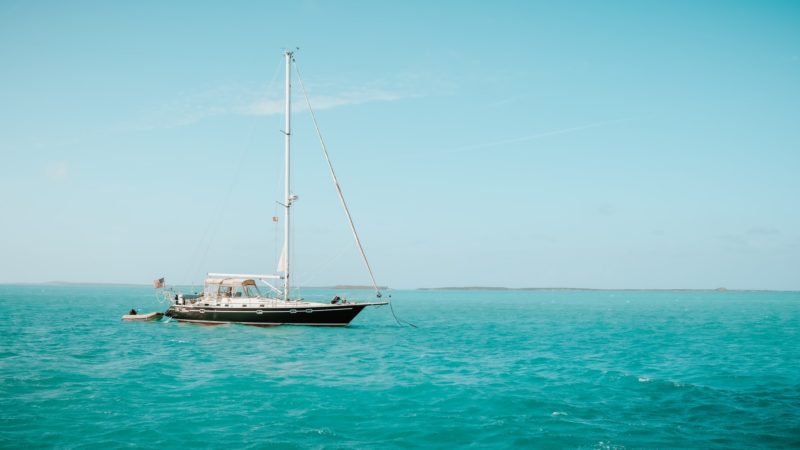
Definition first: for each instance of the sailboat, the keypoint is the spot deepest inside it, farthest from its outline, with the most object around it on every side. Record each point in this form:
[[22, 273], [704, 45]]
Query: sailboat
[[237, 298]]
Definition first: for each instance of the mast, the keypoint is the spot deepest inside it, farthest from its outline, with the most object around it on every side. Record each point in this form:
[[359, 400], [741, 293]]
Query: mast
[[287, 187]]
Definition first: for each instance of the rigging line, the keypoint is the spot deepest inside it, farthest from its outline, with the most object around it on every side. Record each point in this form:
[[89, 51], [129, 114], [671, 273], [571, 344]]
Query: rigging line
[[213, 225], [293, 260], [320, 267], [218, 219], [341, 198], [275, 232], [336, 183]]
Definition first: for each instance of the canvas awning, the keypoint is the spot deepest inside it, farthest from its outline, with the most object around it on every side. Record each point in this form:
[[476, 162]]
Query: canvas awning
[[230, 281]]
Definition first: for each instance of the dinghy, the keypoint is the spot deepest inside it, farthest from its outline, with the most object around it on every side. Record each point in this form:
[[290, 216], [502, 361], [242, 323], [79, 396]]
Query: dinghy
[[155, 315]]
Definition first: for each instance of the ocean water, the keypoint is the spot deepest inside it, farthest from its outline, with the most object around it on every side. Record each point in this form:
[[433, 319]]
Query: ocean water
[[482, 370]]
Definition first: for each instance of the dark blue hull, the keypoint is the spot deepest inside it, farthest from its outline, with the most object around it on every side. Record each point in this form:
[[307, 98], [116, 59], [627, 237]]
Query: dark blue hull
[[332, 316]]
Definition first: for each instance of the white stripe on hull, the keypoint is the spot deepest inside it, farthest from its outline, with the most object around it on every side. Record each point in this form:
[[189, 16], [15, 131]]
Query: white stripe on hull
[[222, 322]]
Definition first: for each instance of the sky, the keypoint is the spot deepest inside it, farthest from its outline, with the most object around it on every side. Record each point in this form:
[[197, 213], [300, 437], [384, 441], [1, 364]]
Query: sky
[[508, 143]]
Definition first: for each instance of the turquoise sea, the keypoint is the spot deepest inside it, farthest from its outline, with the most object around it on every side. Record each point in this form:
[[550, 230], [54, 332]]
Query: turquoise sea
[[539, 369]]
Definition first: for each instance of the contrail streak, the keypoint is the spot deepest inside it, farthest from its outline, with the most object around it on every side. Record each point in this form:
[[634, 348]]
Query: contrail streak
[[534, 136]]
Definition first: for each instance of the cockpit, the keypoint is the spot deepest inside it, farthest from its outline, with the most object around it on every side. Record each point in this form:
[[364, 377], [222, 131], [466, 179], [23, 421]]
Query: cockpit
[[225, 288]]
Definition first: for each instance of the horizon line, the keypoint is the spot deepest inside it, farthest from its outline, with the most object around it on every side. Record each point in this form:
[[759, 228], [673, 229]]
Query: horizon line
[[442, 288]]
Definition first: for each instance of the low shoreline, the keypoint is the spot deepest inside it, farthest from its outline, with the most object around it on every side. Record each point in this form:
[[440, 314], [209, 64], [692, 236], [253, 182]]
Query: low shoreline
[[446, 288], [551, 289]]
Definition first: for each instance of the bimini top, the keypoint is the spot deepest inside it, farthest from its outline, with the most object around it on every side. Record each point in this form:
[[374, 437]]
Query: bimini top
[[230, 281]]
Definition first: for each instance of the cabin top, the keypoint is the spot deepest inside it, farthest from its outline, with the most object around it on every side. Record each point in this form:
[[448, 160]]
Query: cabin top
[[233, 287], [234, 282]]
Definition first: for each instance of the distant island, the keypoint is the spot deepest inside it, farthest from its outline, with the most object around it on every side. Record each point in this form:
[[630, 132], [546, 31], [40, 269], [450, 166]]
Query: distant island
[[90, 283], [346, 286], [495, 288]]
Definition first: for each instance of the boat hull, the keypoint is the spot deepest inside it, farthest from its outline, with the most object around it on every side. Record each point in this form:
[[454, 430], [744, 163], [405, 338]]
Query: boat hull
[[331, 316]]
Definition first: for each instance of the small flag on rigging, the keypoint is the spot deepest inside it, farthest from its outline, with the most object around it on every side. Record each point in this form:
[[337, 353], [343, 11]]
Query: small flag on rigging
[[274, 218], [159, 283]]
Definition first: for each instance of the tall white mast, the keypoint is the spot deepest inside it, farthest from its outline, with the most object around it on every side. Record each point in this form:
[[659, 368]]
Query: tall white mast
[[288, 197]]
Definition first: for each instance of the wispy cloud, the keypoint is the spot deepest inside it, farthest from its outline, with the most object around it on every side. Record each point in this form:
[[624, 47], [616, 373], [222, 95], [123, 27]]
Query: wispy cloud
[[57, 171], [535, 136], [267, 107], [605, 209], [190, 108], [756, 238], [505, 101]]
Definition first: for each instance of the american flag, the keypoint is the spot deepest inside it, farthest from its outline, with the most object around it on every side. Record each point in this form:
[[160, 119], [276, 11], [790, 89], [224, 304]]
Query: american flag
[[159, 283]]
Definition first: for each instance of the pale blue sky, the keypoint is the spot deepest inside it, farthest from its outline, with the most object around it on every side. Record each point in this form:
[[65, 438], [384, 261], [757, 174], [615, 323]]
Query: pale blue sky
[[583, 144]]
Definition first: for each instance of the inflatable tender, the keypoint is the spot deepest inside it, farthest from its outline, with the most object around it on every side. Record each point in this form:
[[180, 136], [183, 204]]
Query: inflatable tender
[[143, 317]]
